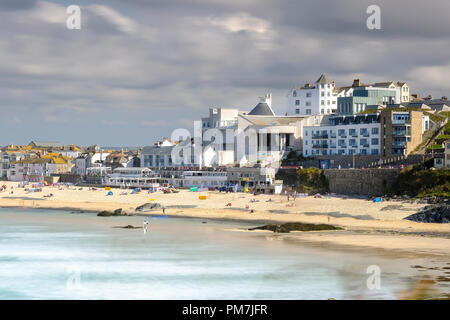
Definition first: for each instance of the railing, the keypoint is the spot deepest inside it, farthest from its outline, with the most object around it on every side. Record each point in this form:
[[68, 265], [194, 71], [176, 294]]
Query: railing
[[320, 136], [395, 122], [400, 133], [320, 146], [399, 145]]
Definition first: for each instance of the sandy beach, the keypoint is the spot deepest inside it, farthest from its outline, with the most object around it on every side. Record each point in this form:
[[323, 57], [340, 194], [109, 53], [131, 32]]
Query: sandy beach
[[366, 224]]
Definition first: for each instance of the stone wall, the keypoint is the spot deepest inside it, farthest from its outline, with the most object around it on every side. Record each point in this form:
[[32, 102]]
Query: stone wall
[[370, 182]]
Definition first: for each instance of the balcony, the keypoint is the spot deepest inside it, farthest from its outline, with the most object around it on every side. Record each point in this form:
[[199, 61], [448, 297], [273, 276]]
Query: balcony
[[365, 134], [342, 146], [354, 145], [399, 145], [333, 135], [400, 133], [401, 122], [320, 146], [333, 146], [320, 136]]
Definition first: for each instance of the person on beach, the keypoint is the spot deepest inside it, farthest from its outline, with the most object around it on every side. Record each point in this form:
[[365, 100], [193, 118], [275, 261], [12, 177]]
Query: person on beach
[[145, 226]]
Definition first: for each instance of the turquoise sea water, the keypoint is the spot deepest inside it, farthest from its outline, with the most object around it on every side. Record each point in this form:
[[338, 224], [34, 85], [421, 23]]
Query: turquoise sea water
[[62, 255]]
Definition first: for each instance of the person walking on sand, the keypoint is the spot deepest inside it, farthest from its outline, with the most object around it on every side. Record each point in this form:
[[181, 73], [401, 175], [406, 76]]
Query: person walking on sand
[[145, 226]]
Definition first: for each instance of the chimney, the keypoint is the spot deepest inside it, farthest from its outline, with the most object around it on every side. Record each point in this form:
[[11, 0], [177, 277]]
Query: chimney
[[429, 97], [415, 96], [268, 99], [444, 98], [356, 83]]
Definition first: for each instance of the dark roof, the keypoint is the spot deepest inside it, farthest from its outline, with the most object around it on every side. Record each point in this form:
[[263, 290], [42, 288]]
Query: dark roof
[[323, 79], [261, 109]]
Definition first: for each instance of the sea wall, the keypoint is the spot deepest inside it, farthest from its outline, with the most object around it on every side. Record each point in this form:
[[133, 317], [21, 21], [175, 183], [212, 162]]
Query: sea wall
[[370, 182]]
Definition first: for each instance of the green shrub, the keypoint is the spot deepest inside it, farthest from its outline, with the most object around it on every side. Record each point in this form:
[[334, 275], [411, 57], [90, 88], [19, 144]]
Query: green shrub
[[312, 180], [419, 182]]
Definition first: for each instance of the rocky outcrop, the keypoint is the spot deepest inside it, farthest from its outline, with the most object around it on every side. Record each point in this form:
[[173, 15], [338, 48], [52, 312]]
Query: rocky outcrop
[[115, 213], [432, 214], [296, 226], [149, 207], [128, 227]]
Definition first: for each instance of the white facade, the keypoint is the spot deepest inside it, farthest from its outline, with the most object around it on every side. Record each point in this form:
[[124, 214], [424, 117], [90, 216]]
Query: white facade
[[343, 139], [204, 179], [132, 177], [319, 98]]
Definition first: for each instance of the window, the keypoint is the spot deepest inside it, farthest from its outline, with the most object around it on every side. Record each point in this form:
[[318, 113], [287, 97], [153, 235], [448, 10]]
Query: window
[[322, 111], [297, 102], [322, 85], [308, 94], [308, 103], [328, 102], [374, 130], [294, 94], [322, 102], [297, 111], [374, 151], [328, 94], [308, 111], [375, 141], [322, 94]]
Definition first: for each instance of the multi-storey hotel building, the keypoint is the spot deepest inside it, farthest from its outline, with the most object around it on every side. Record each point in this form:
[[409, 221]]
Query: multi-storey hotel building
[[343, 135]]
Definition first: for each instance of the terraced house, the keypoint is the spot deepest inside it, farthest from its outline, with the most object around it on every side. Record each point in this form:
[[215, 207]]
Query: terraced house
[[36, 169]]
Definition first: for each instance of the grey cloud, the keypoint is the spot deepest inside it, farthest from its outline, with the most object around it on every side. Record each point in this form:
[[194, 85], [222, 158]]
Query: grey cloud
[[165, 62], [17, 4]]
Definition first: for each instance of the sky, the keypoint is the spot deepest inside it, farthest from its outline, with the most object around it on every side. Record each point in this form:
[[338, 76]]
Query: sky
[[138, 69]]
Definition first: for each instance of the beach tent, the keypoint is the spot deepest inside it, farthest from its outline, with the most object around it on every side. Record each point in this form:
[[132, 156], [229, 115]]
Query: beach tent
[[378, 199], [135, 191], [110, 193], [193, 189]]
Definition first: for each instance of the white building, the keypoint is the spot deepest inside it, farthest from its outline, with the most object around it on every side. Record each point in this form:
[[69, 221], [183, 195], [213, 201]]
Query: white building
[[87, 160], [320, 98], [343, 135], [132, 177], [221, 124]]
